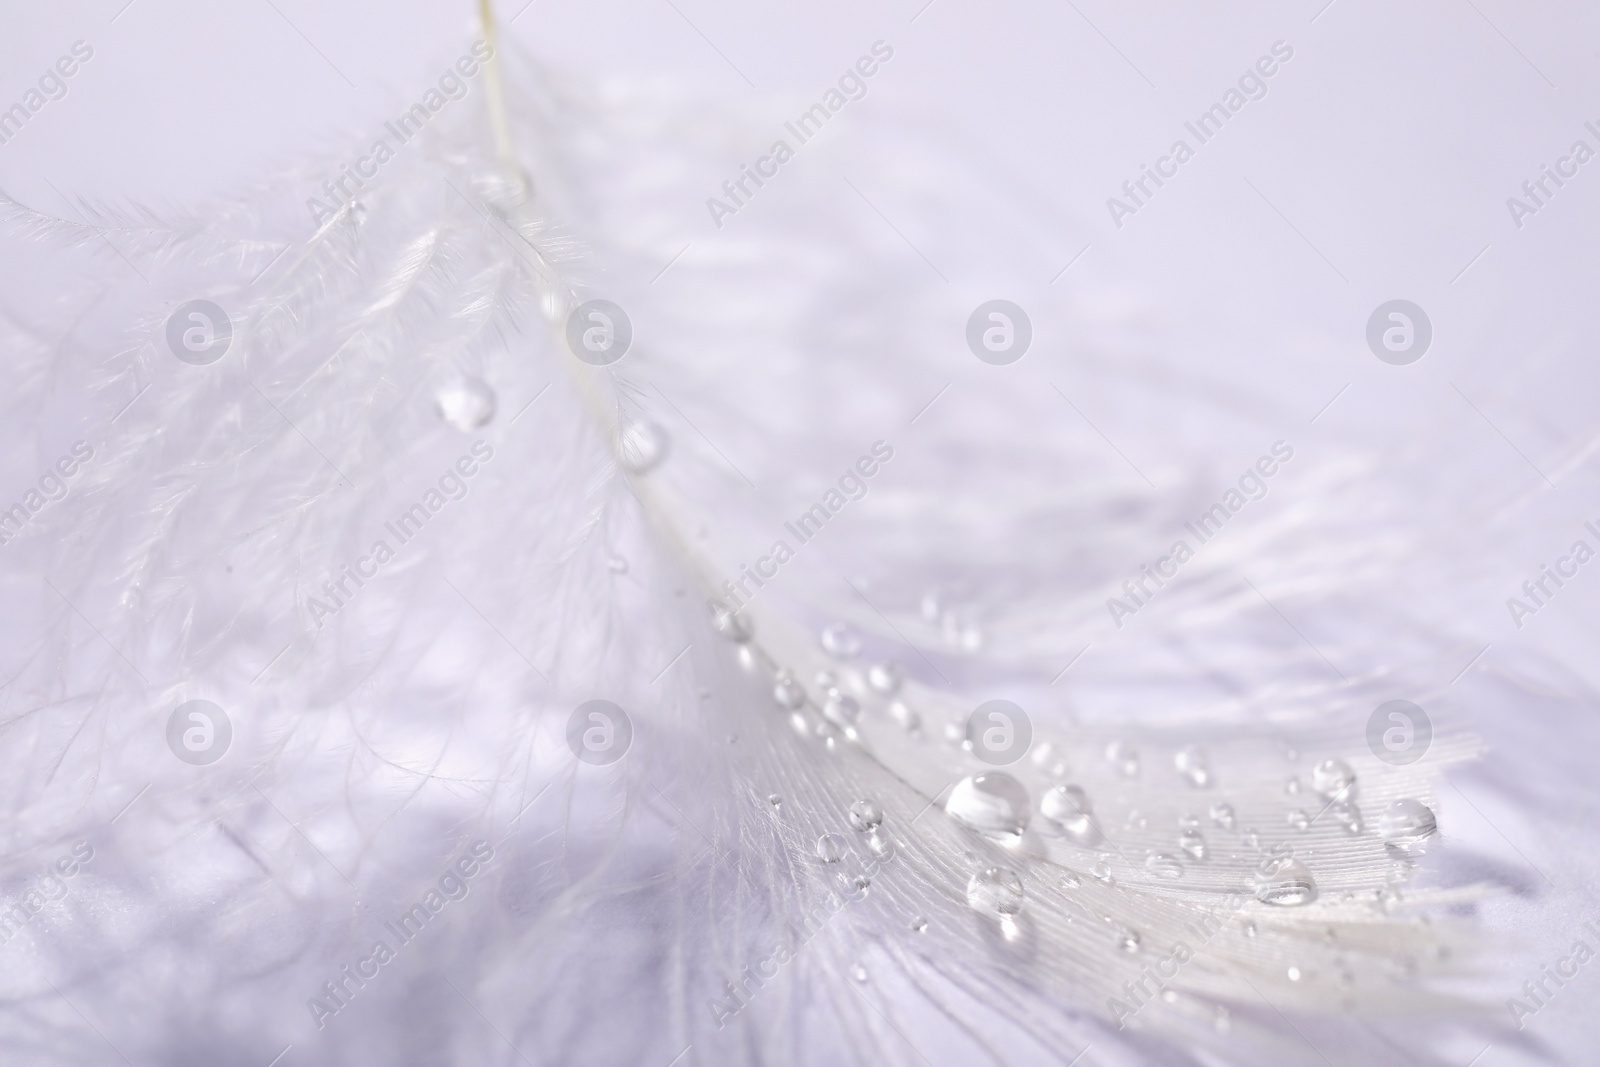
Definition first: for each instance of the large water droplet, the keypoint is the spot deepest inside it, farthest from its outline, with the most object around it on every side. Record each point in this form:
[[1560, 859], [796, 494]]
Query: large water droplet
[[841, 641], [865, 814], [729, 623], [842, 708], [1194, 765], [993, 803], [885, 678], [788, 691], [1334, 779], [830, 848], [640, 446], [1407, 824], [1124, 757], [1068, 811], [1164, 865], [879, 843], [1289, 885], [1193, 843], [1222, 815], [995, 891], [466, 403]]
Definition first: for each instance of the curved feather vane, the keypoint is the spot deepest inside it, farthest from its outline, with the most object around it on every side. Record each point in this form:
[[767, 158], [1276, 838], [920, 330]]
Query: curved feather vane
[[823, 842]]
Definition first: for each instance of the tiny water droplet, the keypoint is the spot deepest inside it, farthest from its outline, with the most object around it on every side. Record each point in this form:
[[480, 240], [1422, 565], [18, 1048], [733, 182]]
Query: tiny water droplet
[[830, 848], [859, 973], [993, 803], [1221, 1019], [775, 800], [618, 565], [1407, 824], [885, 677], [1289, 885], [1193, 843], [1067, 809], [903, 714], [788, 691], [1294, 974], [1299, 820], [1251, 839], [842, 708], [1348, 816], [1102, 873], [1194, 765], [841, 641], [1170, 996], [1291, 784], [955, 732], [641, 446], [466, 403], [1070, 880], [1128, 939], [865, 814], [995, 891], [1222, 815], [1334, 779], [919, 925], [730, 624], [1124, 757], [1250, 928], [1164, 865]]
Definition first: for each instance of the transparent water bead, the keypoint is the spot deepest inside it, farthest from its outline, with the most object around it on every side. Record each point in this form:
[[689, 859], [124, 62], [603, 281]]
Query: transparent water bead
[[1193, 843], [842, 708], [1334, 779], [1194, 765], [906, 716], [830, 848], [859, 973], [1164, 865], [993, 803], [641, 446], [879, 843], [618, 565], [1102, 873], [466, 403], [1291, 785], [1348, 816], [1299, 820], [919, 925], [1407, 824], [775, 800], [1222, 815], [787, 691], [1124, 757], [1068, 810], [865, 814], [1289, 885], [885, 678], [841, 641], [730, 624], [1128, 939], [1070, 880], [995, 891]]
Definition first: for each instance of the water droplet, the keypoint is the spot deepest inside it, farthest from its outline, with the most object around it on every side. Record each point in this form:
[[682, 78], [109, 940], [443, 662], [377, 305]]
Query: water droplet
[[1068, 810], [466, 403], [1289, 885], [1222, 815], [886, 677], [1193, 843], [1070, 880], [1299, 820], [1348, 816], [1334, 779], [775, 800], [1128, 939], [1251, 839], [1294, 974], [1170, 996], [842, 709], [841, 641], [830, 848], [1250, 928], [1124, 757], [955, 732], [729, 623], [879, 843], [641, 446], [1291, 785], [932, 605], [995, 891], [788, 691], [618, 565], [1194, 765], [906, 716], [1102, 873], [855, 885], [1188, 822], [1164, 865], [919, 925], [993, 803], [1221, 1019], [1407, 824], [865, 814]]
